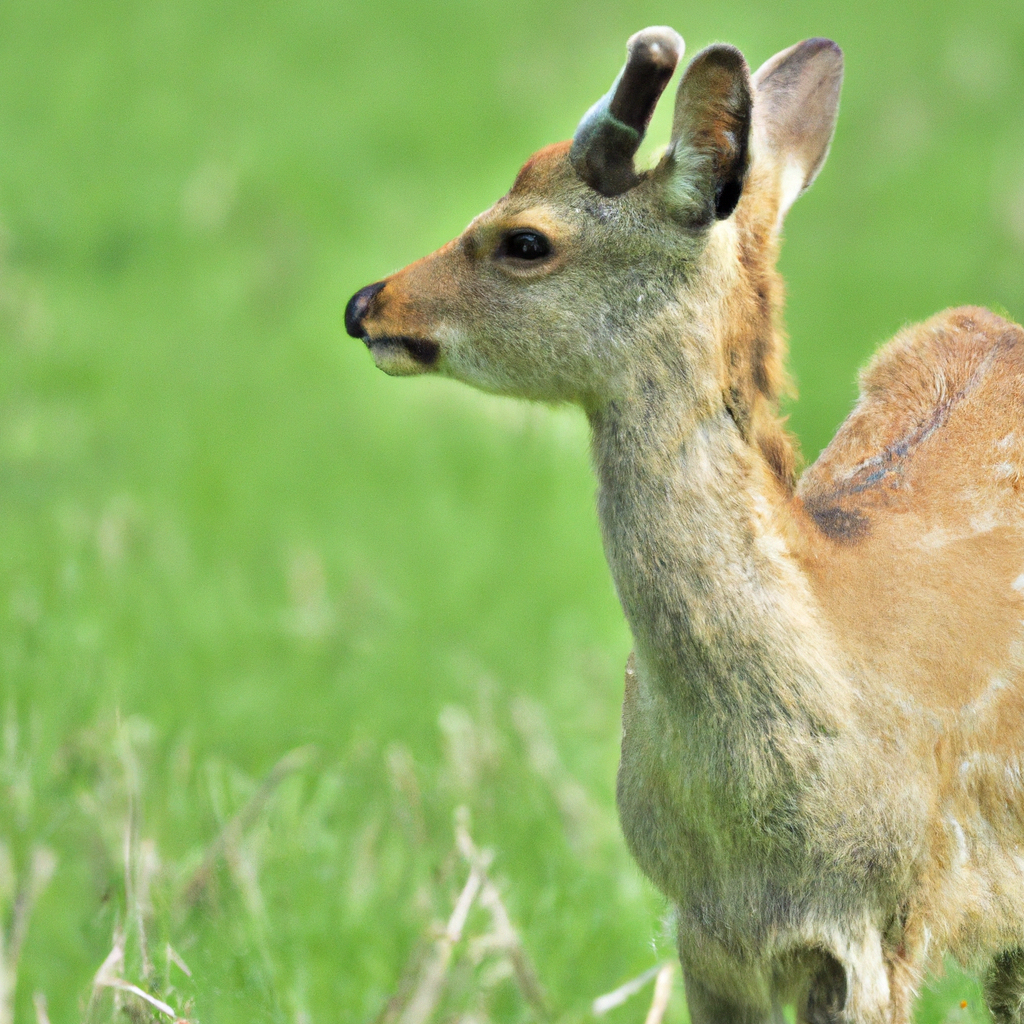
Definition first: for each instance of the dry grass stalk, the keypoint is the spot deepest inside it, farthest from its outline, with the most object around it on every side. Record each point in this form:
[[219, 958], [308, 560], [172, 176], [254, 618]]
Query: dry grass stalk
[[662, 993], [108, 977], [39, 1003], [428, 991], [107, 968], [141, 865], [137, 875], [173, 957], [602, 1004], [508, 938], [41, 869], [231, 834], [420, 1006], [503, 935]]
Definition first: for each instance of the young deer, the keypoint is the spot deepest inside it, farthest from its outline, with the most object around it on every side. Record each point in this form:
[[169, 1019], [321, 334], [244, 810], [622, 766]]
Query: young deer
[[823, 728]]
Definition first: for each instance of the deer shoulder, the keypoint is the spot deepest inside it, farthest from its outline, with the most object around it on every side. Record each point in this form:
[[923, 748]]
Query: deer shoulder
[[915, 512]]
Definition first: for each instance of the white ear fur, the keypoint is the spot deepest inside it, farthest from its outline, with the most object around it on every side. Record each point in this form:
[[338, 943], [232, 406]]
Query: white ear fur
[[792, 182], [796, 102]]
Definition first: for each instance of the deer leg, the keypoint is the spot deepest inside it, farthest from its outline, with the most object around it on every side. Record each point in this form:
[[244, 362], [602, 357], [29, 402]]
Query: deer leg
[[1004, 987], [853, 993], [825, 1002], [707, 1007]]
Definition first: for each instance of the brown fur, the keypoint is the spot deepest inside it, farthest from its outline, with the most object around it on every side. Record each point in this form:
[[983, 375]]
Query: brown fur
[[755, 346], [823, 723]]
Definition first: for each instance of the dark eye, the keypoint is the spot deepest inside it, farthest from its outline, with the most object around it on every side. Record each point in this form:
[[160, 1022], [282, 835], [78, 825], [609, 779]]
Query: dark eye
[[526, 245]]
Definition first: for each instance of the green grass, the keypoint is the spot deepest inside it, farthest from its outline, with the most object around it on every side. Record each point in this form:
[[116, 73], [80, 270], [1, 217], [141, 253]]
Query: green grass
[[225, 536]]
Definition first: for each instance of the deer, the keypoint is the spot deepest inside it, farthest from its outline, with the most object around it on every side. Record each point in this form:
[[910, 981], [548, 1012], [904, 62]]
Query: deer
[[822, 762]]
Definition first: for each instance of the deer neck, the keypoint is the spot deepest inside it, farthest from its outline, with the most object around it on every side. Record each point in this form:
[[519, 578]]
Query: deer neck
[[697, 533]]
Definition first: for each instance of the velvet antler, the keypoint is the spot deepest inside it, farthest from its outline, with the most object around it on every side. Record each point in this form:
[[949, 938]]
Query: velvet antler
[[611, 131]]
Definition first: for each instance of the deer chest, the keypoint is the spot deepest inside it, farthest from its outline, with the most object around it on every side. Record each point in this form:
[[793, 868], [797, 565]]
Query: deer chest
[[717, 818]]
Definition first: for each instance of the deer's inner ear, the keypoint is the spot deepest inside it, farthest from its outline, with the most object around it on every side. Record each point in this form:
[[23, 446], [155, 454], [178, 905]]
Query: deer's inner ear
[[710, 135], [727, 195], [795, 114]]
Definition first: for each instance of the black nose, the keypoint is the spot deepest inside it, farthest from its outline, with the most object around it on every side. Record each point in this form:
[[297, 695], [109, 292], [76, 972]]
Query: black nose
[[357, 308]]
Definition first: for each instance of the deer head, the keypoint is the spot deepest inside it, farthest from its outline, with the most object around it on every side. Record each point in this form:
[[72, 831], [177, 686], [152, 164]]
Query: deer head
[[592, 276]]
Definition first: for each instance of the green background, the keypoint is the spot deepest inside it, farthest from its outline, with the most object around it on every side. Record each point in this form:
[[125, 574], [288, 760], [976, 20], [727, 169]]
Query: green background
[[224, 534]]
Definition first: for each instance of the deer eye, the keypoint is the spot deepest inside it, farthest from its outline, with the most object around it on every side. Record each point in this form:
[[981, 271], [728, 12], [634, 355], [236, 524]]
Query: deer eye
[[525, 245]]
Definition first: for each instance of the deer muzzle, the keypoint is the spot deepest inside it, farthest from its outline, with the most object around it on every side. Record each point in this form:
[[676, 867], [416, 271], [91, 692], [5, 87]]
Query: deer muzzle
[[400, 355]]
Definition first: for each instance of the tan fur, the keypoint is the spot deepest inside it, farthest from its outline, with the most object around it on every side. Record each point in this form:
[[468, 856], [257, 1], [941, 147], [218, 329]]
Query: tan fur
[[823, 724]]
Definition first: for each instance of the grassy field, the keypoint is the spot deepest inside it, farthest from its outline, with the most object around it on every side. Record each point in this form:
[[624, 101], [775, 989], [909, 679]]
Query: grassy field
[[268, 619]]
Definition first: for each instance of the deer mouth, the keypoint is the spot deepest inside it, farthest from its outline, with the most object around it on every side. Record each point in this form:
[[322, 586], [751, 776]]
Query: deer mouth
[[403, 356]]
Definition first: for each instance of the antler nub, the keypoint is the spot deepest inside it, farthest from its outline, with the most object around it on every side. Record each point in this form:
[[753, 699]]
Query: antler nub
[[611, 131]]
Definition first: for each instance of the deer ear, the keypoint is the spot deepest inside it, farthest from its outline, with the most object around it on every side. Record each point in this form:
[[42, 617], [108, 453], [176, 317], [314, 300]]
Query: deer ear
[[707, 160], [796, 100]]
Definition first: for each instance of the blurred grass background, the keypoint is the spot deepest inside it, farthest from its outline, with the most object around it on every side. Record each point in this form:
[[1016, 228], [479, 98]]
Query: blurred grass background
[[224, 535]]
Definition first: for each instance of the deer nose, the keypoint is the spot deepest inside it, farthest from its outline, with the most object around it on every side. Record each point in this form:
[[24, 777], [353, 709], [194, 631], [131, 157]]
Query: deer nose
[[357, 308]]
